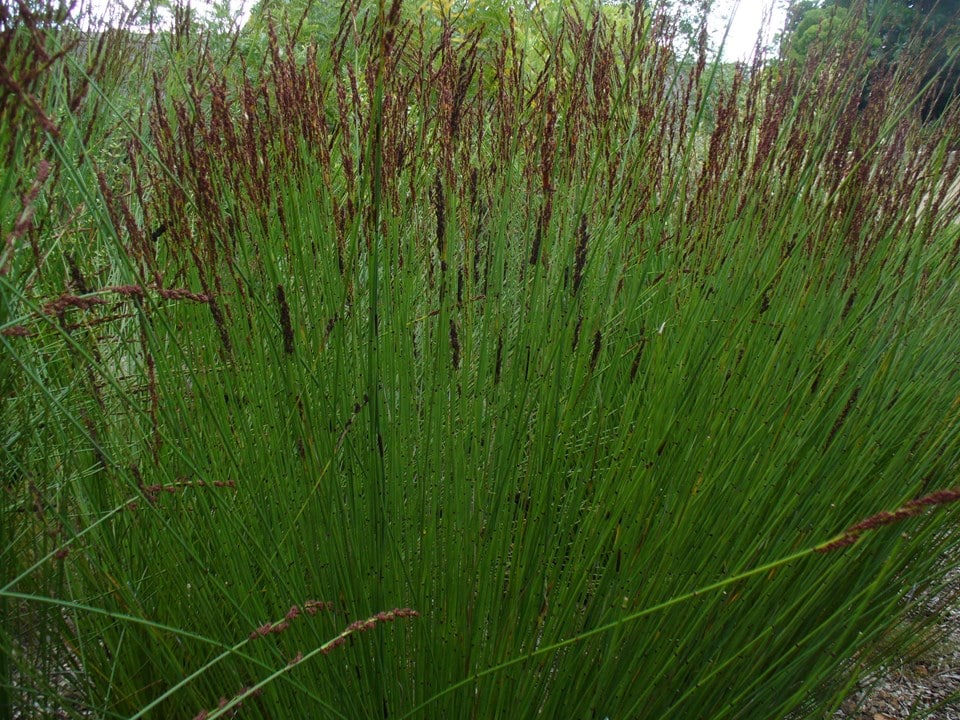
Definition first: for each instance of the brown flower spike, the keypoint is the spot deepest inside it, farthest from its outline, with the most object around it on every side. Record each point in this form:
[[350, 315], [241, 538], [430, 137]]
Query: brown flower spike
[[909, 509]]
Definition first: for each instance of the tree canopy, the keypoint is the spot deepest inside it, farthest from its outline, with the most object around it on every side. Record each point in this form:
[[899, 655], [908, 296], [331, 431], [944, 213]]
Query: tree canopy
[[927, 31]]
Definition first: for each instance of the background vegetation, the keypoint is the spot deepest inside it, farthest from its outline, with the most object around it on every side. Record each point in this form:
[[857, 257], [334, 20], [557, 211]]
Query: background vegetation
[[450, 366], [925, 33]]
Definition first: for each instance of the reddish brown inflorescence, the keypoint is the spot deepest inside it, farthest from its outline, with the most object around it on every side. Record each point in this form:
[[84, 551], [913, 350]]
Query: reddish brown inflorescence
[[881, 519]]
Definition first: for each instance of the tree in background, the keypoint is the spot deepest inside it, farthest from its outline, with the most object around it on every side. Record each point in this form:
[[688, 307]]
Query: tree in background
[[924, 30], [812, 25]]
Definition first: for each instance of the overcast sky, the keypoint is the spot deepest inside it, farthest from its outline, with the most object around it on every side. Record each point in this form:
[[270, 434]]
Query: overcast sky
[[747, 23]]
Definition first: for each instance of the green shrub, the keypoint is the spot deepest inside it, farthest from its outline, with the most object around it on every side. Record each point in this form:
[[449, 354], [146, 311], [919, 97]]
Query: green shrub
[[611, 404]]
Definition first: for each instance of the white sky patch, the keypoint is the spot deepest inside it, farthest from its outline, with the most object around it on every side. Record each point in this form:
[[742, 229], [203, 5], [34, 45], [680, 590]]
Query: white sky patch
[[748, 21]]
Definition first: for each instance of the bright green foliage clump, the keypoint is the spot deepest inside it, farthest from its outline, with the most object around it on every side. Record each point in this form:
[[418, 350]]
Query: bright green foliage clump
[[573, 400]]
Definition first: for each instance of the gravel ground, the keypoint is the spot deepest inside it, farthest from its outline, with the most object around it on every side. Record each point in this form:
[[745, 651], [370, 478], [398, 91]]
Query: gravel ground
[[925, 687]]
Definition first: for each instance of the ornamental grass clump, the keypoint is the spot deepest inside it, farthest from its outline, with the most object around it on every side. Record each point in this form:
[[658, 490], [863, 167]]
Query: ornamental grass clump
[[630, 375]]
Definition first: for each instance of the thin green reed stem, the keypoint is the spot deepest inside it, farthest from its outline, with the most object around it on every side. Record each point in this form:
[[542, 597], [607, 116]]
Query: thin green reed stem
[[676, 600], [373, 260], [6, 639], [718, 670]]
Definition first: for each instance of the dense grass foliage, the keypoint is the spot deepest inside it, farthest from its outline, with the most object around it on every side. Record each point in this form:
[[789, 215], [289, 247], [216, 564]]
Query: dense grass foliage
[[419, 376]]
